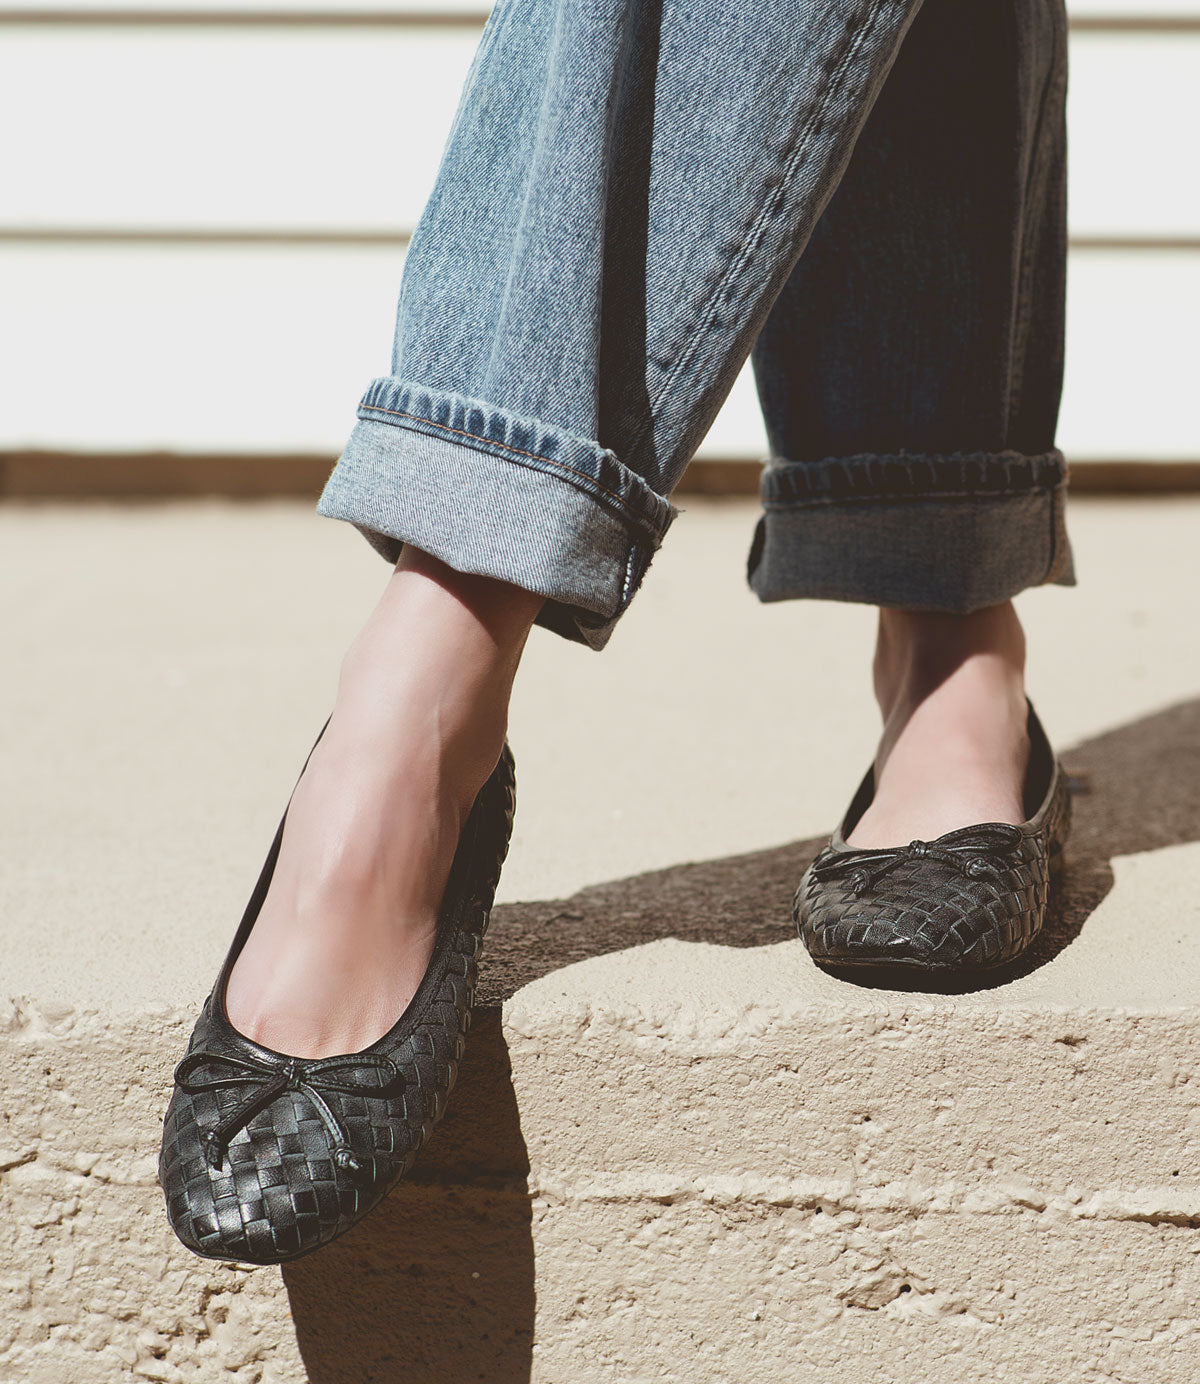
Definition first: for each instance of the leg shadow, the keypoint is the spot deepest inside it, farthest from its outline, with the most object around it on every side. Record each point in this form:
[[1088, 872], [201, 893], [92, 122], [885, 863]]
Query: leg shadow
[[438, 1283], [1139, 790]]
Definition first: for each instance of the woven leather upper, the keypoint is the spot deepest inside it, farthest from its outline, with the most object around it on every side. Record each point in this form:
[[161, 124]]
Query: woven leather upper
[[973, 898], [284, 1183]]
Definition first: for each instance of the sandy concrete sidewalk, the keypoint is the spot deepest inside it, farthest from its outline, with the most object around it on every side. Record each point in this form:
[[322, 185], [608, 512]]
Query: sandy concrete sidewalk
[[167, 668]]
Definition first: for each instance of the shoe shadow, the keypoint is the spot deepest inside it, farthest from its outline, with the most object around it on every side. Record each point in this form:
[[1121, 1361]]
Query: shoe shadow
[[438, 1283]]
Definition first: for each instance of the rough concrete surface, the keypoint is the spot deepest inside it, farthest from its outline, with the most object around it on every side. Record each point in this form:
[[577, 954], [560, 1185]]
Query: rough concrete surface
[[677, 1150]]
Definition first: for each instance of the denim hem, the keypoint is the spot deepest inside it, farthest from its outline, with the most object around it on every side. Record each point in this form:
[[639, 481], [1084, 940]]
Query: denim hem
[[479, 513], [952, 532], [529, 442]]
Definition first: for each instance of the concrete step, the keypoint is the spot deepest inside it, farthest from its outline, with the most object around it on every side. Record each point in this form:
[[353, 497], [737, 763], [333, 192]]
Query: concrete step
[[677, 1150]]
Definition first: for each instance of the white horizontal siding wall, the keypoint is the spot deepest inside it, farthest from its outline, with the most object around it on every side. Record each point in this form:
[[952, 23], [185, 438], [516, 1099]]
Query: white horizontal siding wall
[[201, 226]]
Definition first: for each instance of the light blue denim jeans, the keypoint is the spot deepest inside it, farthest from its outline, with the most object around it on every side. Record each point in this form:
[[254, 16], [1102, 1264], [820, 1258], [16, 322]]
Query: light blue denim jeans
[[634, 196]]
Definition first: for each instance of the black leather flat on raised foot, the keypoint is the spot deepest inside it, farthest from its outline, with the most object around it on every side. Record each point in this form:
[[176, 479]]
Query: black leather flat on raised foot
[[266, 1157], [971, 900]]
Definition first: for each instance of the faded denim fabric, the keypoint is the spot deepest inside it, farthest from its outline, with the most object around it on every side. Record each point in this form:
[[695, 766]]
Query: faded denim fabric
[[634, 195]]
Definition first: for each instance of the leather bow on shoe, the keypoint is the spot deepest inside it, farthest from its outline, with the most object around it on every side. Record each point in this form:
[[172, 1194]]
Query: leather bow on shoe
[[266, 1081], [969, 850]]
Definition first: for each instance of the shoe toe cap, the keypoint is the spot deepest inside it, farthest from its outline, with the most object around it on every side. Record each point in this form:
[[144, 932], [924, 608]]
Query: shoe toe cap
[[266, 1202], [881, 936], [923, 925]]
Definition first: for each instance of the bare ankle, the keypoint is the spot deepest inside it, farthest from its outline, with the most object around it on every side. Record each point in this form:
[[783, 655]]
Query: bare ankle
[[917, 652]]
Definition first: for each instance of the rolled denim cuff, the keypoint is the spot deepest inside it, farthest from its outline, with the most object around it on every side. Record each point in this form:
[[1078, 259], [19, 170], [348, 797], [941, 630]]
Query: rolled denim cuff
[[507, 497], [952, 532]]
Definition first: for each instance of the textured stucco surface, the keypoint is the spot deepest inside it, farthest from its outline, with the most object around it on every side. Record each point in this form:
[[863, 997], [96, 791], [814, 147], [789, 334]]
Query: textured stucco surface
[[658, 1181], [677, 1151]]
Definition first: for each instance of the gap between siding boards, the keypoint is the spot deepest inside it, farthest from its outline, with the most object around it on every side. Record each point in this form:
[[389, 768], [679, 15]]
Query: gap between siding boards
[[175, 475]]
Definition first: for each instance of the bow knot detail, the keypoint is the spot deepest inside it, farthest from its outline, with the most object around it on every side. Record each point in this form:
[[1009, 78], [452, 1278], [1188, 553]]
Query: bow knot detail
[[263, 1082], [975, 852]]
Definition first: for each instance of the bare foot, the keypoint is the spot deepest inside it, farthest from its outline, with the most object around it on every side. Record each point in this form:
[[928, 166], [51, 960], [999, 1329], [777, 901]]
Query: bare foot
[[348, 925], [955, 749]]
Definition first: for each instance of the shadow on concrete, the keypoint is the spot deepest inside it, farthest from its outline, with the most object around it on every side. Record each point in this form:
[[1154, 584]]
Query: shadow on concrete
[[438, 1283], [1141, 791]]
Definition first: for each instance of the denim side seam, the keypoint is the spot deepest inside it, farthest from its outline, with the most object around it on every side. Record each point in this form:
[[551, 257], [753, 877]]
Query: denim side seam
[[857, 36], [1053, 93], [1060, 564]]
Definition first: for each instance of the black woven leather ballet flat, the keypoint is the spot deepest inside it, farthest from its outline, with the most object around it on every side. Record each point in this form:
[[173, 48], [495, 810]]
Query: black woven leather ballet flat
[[266, 1157], [971, 900]]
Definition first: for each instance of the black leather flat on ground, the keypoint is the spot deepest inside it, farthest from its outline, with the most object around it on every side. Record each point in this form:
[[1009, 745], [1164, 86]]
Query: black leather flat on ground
[[972, 900], [266, 1157]]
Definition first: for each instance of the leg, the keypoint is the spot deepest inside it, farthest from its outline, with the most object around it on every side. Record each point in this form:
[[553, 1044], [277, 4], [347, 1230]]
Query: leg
[[598, 254], [909, 375], [347, 928], [954, 749]]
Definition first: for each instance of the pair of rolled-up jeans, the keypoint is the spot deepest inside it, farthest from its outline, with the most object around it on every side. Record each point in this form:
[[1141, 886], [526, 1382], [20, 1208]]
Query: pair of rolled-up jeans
[[867, 197]]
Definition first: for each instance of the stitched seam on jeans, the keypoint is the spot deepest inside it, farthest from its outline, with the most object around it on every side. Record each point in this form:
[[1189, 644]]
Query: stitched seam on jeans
[[1056, 500], [780, 485], [627, 584], [781, 478], [755, 232], [1034, 183], [491, 441], [848, 502], [1052, 455]]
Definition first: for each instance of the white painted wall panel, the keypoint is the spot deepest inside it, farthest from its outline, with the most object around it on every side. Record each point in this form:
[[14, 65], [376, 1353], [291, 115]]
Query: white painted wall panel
[[343, 129], [1133, 112], [1132, 361], [213, 349], [1134, 9], [204, 128], [226, 349], [161, 7]]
